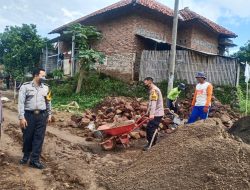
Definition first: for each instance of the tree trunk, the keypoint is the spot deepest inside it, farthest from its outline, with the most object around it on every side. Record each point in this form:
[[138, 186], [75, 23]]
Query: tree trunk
[[14, 91], [80, 79]]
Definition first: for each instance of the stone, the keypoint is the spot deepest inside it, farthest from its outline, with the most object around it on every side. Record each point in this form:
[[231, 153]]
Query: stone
[[167, 121], [143, 108], [225, 118], [85, 122], [118, 111], [89, 139], [129, 107], [72, 124], [135, 134], [142, 133], [53, 119]]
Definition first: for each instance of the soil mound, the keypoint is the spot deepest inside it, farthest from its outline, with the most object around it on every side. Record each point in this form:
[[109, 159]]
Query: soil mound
[[241, 129], [201, 156]]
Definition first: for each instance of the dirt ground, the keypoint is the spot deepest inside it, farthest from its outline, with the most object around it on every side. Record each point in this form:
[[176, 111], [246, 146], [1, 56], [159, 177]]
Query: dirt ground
[[201, 156], [72, 162], [191, 158]]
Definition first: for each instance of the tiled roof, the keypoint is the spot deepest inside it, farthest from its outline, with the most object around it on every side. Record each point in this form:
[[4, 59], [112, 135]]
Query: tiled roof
[[151, 4], [188, 15]]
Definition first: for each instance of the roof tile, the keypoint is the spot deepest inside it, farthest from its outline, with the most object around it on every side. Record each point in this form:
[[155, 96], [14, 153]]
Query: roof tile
[[188, 15]]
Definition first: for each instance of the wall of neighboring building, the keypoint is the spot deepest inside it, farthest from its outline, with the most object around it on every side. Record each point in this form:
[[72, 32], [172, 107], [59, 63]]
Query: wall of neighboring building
[[153, 27], [184, 35], [118, 45], [123, 46], [51, 63], [204, 39]]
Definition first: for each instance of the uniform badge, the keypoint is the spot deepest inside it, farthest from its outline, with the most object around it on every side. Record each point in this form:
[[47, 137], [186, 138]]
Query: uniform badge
[[49, 96], [154, 96]]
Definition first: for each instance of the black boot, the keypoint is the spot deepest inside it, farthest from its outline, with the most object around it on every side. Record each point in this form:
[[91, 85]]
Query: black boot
[[145, 148], [36, 164], [25, 159]]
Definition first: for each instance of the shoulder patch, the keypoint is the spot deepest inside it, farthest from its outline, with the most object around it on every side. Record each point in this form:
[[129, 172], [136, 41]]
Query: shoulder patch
[[154, 95]]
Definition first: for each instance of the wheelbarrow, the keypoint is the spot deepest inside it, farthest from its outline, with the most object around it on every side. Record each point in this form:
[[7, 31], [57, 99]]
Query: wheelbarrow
[[119, 133]]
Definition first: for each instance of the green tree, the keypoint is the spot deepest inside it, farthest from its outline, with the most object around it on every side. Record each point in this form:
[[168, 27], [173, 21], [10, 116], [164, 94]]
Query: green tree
[[20, 49], [86, 56], [244, 53]]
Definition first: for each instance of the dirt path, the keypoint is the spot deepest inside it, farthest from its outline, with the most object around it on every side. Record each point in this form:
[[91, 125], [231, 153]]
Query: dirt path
[[72, 162]]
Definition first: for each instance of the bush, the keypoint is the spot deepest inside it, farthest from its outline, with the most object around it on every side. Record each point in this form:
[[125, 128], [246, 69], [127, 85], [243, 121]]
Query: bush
[[95, 88], [242, 100]]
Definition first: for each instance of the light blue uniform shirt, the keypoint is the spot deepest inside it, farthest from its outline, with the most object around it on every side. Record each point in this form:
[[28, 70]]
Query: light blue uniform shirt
[[32, 98]]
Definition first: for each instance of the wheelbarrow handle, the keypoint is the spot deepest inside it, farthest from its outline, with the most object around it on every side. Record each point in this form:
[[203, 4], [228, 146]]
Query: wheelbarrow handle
[[140, 119], [141, 122]]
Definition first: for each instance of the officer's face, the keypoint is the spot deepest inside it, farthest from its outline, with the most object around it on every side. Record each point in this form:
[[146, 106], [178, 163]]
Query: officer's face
[[147, 83], [41, 75]]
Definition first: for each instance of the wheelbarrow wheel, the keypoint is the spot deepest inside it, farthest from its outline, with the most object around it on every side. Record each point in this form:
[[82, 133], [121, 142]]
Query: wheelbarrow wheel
[[109, 144]]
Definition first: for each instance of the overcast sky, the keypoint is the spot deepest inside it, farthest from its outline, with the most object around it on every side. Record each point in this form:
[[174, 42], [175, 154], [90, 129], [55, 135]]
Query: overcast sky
[[50, 14]]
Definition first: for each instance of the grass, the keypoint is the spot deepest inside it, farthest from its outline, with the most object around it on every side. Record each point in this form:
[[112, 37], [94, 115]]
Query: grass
[[95, 88], [242, 100], [98, 86]]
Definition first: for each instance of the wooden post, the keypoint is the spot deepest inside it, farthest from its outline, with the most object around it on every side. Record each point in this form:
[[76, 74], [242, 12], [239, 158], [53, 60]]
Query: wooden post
[[173, 48], [238, 75], [46, 58], [14, 91], [247, 99], [58, 52], [73, 56]]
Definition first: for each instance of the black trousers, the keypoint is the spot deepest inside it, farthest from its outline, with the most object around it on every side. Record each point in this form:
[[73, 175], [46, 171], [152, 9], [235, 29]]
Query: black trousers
[[151, 127], [33, 135], [171, 106]]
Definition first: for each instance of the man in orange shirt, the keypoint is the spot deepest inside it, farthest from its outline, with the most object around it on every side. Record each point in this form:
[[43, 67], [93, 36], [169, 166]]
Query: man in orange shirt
[[202, 98]]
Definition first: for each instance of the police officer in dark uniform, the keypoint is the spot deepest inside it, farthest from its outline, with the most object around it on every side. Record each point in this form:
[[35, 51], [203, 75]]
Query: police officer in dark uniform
[[34, 107]]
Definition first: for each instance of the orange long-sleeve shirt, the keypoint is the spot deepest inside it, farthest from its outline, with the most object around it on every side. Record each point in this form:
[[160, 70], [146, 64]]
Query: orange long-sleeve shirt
[[203, 94]]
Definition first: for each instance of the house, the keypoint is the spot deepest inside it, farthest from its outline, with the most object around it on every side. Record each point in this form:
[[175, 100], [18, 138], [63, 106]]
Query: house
[[131, 26]]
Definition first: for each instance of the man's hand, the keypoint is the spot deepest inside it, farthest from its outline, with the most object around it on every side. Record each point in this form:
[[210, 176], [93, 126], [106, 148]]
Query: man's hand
[[205, 109], [151, 117], [174, 102], [23, 123], [49, 119]]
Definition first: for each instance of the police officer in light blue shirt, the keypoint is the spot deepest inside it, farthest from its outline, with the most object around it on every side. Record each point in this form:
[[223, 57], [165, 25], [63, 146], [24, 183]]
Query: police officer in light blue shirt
[[34, 107]]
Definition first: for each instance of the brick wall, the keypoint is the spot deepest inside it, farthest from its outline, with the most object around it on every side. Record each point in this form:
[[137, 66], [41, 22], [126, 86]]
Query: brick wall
[[153, 25], [119, 65], [117, 35], [204, 40], [118, 45], [184, 35], [119, 39]]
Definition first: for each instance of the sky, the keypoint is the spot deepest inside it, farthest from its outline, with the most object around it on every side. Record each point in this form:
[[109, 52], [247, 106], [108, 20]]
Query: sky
[[50, 14]]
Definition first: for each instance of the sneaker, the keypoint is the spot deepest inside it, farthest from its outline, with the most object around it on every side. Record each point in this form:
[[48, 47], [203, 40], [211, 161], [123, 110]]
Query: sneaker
[[37, 165]]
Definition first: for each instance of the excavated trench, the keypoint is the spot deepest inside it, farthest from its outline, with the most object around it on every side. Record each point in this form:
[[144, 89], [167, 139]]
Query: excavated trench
[[241, 128]]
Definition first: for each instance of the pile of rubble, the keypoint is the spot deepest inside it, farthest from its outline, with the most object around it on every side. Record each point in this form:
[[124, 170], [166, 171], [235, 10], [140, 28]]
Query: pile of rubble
[[120, 109], [218, 110], [111, 110]]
